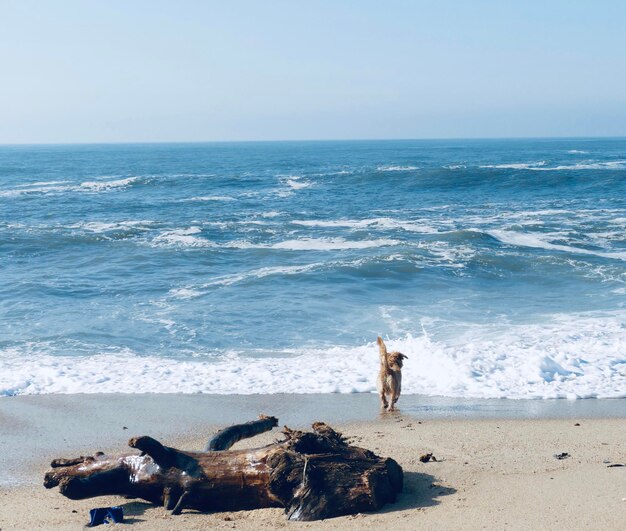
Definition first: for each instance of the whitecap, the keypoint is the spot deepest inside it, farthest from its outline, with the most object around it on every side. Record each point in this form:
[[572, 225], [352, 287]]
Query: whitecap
[[101, 186], [184, 293], [330, 244], [57, 187], [42, 183], [516, 165], [397, 168], [182, 238], [588, 165], [297, 185], [271, 214], [103, 227], [44, 190], [293, 183], [534, 240], [210, 198], [228, 280], [370, 223]]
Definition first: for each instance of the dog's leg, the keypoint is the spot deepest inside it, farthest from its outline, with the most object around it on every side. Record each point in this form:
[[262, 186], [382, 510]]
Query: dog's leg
[[383, 400], [392, 402]]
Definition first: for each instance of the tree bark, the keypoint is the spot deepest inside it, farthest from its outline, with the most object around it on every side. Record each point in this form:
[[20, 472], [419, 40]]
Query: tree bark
[[313, 475]]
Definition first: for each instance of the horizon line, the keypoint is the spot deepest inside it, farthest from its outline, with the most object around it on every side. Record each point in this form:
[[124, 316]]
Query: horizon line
[[251, 141]]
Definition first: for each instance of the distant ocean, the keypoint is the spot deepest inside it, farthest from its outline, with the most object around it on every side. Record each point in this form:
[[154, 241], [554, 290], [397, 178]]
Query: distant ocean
[[498, 267]]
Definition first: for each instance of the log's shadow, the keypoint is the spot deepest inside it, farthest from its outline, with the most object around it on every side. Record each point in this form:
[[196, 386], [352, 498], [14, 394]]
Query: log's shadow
[[132, 509], [420, 490]]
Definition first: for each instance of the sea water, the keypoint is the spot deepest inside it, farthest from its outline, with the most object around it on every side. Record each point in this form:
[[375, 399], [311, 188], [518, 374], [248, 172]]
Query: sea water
[[497, 267]]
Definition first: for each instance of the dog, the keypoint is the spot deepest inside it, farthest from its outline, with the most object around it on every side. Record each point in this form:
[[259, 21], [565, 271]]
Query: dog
[[389, 382]]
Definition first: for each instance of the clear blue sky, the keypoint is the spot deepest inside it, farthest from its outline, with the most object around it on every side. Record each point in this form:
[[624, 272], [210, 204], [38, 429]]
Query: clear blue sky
[[151, 70]]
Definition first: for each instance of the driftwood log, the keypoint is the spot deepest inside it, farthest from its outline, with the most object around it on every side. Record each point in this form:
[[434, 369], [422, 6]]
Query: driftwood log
[[313, 475]]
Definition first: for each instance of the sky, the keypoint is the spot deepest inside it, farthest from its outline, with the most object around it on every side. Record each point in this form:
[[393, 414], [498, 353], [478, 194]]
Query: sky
[[76, 71]]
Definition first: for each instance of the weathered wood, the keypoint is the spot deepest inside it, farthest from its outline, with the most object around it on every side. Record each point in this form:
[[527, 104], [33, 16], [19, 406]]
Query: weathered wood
[[312, 475], [225, 438]]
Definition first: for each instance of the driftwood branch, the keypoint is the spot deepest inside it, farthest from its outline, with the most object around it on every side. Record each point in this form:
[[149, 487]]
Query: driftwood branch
[[225, 438], [312, 475]]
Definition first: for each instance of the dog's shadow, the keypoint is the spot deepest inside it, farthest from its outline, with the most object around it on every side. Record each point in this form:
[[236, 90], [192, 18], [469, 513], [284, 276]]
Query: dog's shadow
[[420, 490]]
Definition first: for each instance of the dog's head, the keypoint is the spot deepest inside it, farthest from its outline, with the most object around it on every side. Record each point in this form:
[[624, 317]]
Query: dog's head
[[395, 360]]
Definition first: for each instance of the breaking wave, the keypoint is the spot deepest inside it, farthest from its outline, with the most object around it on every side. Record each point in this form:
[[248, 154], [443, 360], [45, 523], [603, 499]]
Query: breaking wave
[[566, 357]]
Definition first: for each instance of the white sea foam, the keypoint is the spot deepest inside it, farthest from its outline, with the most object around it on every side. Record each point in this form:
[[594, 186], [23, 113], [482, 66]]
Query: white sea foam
[[516, 165], [330, 173], [101, 186], [58, 187], [184, 293], [542, 242], [262, 272], [292, 184], [210, 198], [330, 244], [42, 183], [15, 192], [577, 152], [103, 227], [372, 223], [587, 165], [181, 238], [297, 185], [542, 166], [313, 244], [397, 168], [568, 356]]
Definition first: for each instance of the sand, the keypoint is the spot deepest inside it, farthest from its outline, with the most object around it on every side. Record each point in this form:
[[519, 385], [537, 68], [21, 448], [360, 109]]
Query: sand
[[496, 473]]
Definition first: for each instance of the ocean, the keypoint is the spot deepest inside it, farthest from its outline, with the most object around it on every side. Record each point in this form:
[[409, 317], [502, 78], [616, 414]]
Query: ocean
[[497, 266]]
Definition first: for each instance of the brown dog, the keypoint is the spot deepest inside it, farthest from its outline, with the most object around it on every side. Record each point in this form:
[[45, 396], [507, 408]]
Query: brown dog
[[389, 382]]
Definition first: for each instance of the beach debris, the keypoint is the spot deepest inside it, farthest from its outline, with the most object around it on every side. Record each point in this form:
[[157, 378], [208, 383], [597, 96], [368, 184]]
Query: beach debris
[[427, 457], [105, 515], [562, 455], [577, 424], [615, 465], [313, 475]]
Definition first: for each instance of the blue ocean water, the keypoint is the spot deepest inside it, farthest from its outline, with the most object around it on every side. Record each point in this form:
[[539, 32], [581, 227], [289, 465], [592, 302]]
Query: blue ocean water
[[497, 266]]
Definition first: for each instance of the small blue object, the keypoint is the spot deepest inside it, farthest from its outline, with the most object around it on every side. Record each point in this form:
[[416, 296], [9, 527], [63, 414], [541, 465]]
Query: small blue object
[[105, 515]]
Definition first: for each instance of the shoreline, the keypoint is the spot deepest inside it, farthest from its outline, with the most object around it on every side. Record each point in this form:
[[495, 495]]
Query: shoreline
[[37, 428], [496, 465]]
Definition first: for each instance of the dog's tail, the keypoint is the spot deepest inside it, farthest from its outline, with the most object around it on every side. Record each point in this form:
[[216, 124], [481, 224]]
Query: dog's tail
[[383, 352]]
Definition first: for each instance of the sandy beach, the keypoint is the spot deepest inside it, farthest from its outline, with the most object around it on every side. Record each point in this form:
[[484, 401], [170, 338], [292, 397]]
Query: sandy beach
[[491, 473]]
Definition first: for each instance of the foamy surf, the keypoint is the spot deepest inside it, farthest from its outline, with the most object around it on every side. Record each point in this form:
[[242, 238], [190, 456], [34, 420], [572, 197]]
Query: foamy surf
[[569, 357], [59, 187], [539, 242]]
